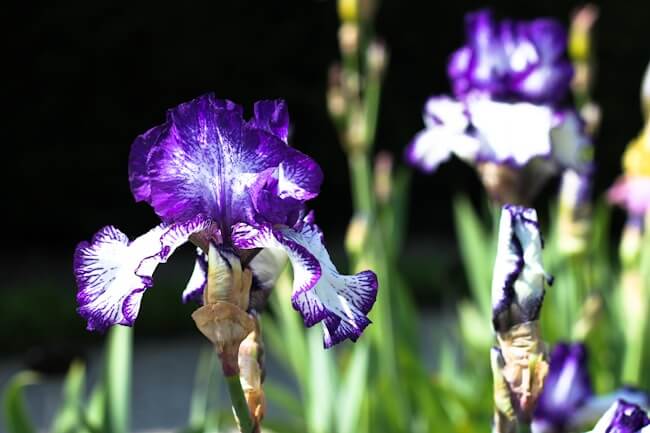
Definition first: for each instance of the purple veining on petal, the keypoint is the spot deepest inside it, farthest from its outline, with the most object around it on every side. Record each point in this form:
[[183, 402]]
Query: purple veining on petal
[[112, 272], [567, 386], [207, 158], [518, 263], [272, 116], [320, 293], [138, 158]]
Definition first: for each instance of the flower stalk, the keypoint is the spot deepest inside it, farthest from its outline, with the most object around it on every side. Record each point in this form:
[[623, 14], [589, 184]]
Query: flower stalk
[[519, 360], [224, 321]]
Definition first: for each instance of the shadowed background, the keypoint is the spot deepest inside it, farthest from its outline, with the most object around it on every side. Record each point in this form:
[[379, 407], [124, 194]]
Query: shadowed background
[[87, 77]]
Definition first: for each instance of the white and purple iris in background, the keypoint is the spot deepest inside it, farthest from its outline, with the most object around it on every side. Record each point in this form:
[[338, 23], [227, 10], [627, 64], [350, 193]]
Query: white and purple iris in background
[[623, 417], [568, 402], [214, 178], [511, 101]]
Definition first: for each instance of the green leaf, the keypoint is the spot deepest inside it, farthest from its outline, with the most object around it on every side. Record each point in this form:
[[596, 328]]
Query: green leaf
[[353, 389], [284, 398], [476, 249], [204, 381], [322, 384], [69, 416], [15, 410]]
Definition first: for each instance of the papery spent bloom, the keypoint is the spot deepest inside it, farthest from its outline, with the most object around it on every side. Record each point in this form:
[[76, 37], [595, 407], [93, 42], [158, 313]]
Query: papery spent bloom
[[623, 417], [568, 402], [511, 83], [519, 362], [231, 187]]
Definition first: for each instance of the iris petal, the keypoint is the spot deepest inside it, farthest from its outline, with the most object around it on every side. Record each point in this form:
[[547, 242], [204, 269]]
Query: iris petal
[[320, 293], [206, 158], [112, 272], [198, 280]]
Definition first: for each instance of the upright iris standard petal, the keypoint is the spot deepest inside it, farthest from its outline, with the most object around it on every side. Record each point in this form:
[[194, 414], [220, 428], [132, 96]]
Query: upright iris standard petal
[[206, 158], [566, 389], [518, 282], [512, 60], [320, 293], [112, 272], [138, 159], [623, 417], [272, 116]]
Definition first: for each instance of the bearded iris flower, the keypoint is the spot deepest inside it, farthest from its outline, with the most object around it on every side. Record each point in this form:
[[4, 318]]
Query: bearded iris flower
[[568, 402], [509, 111], [222, 182]]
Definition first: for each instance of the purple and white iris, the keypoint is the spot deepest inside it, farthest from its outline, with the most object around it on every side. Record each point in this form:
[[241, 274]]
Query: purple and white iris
[[511, 84], [568, 402], [214, 178], [518, 281], [623, 417]]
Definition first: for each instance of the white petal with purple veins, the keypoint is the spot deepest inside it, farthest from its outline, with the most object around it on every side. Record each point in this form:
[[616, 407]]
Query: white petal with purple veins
[[112, 272], [320, 293]]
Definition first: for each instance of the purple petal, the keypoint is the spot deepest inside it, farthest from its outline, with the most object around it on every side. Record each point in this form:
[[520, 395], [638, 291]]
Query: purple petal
[[272, 116], [198, 280], [138, 158], [519, 278], [512, 60], [567, 386], [112, 272], [207, 158], [622, 417], [320, 293]]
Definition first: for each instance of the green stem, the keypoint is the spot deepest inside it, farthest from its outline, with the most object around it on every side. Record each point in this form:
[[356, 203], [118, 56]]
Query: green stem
[[239, 405], [360, 176], [523, 428], [117, 378]]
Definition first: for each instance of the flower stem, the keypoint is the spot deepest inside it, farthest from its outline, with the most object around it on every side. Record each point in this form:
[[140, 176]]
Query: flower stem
[[361, 183], [239, 405]]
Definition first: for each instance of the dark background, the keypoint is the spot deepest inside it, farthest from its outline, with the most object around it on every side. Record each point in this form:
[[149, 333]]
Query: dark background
[[85, 78]]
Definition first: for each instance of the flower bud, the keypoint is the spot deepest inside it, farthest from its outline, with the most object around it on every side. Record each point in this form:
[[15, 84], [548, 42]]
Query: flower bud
[[251, 368], [376, 57], [357, 234], [349, 38], [383, 176]]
